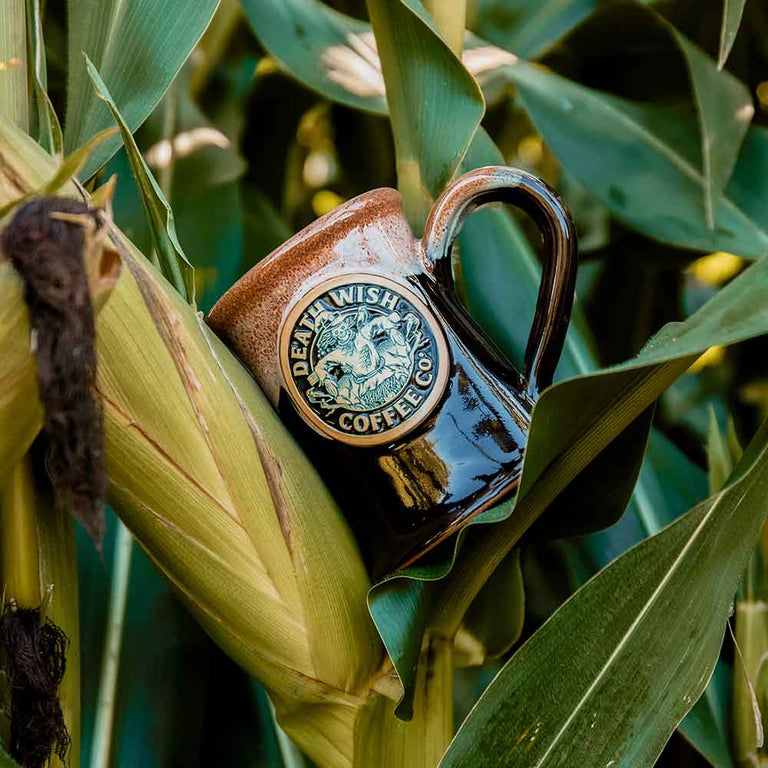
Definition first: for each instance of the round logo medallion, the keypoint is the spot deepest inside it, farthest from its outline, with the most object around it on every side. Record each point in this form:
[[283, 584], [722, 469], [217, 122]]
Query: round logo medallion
[[363, 359]]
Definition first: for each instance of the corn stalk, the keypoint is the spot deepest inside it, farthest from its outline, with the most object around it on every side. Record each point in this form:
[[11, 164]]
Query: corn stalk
[[209, 482], [39, 569], [14, 91]]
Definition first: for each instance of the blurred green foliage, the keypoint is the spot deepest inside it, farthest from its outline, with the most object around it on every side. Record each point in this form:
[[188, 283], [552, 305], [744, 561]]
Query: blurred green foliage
[[271, 122]]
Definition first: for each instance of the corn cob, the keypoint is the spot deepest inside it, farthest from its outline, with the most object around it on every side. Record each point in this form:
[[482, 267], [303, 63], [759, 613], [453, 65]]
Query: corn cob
[[212, 486]]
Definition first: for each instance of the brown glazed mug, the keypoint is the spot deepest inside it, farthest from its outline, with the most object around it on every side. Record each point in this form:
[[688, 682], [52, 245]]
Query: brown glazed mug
[[353, 329]]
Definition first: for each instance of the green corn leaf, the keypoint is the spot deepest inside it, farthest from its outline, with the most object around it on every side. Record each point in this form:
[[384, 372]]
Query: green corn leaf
[[723, 103], [49, 134], [202, 168], [168, 249], [495, 617], [642, 162], [336, 55], [529, 28], [719, 460], [733, 10], [421, 91], [601, 406], [329, 52], [669, 484], [138, 48], [557, 447], [635, 646], [724, 107], [735, 313]]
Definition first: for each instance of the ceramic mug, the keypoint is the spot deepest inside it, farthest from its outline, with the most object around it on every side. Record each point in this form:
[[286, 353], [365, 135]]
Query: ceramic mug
[[353, 329]]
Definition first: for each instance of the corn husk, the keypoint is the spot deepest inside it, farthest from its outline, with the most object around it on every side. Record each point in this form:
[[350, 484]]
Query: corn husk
[[213, 487], [20, 408]]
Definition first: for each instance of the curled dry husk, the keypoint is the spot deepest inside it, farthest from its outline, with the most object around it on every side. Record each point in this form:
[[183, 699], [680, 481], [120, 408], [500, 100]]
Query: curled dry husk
[[212, 486]]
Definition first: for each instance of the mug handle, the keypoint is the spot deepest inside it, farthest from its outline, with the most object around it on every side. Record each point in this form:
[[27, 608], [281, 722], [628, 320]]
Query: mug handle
[[558, 279]]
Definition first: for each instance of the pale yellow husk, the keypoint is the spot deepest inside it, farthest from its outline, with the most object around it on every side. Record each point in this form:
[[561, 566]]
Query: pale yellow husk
[[216, 491]]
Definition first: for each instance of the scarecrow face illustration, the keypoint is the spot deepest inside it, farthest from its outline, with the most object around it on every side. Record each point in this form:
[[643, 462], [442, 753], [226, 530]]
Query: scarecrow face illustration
[[363, 357]]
